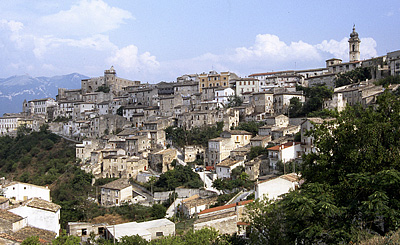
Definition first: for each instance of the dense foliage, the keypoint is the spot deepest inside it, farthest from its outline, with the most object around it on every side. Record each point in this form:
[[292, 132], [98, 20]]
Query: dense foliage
[[315, 97], [256, 151], [103, 88], [38, 157], [179, 176], [239, 179], [357, 75], [234, 101], [195, 136], [251, 126], [388, 80], [351, 185]]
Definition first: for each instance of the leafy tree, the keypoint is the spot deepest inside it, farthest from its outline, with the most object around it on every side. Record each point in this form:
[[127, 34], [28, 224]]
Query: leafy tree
[[64, 239], [133, 240], [315, 97], [158, 211], [251, 126], [357, 75], [256, 151], [351, 183], [234, 101], [195, 136], [103, 88], [295, 107], [33, 240], [388, 80], [179, 176]]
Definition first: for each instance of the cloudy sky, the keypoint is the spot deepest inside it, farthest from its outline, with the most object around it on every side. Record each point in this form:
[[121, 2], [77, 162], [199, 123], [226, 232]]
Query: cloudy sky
[[156, 41]]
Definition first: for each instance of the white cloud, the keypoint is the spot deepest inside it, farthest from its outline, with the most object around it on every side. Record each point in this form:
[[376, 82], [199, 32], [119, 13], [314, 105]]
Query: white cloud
[[88, 17], [96, 42], [340, 49], [269, 47], [129, 59]]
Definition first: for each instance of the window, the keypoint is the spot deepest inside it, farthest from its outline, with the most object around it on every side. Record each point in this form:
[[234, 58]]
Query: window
[[84, 232], [159, 233]]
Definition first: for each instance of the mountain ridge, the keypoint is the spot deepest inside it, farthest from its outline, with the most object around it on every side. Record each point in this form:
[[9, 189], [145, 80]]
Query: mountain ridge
[[15, 89]]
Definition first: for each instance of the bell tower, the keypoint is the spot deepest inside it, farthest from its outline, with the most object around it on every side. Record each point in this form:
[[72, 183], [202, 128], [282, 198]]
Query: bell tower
[[354, 46]]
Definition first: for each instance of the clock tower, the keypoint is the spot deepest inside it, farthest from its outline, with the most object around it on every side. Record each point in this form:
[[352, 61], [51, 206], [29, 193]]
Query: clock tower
[[354, 46]]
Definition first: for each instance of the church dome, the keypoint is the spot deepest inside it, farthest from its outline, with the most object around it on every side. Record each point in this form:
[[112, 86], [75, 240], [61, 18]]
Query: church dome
[[354, 34]]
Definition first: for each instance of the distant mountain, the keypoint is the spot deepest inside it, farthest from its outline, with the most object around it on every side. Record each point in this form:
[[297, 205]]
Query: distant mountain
[[14, 90]]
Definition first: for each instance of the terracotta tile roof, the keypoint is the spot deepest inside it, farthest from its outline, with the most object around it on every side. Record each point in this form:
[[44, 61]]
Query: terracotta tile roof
[[10, 237], [210, 210], [118, 184], [7, 215], [282, 146], [239, 132], [45, 236], [242, 223], [42, 204], [3, 199], [227, 162], [292, 177]]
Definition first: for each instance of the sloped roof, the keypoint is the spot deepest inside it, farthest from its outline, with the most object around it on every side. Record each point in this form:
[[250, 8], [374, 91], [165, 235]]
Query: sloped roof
[[282, 146], [7, 215], [292, 177], [39, 204], [210, 210], [227, 162], [118, 184], [45, 236]]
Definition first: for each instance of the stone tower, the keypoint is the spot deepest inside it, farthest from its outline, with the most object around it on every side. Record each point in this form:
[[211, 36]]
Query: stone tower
[[354, 46]]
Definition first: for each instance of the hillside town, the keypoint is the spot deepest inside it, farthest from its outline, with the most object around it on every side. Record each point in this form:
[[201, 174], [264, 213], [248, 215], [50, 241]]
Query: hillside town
[[120, 130]]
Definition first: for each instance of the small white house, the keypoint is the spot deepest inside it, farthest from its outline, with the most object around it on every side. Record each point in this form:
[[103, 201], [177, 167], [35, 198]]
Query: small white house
[[224, 168], [284, 153], [148, 230], [22, 191], [40, 214], [275, 187]]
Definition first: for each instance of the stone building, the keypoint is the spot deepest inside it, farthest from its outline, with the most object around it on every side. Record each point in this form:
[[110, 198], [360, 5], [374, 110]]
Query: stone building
[[161, 161], [225, 219], [110, 80], [116, 193]]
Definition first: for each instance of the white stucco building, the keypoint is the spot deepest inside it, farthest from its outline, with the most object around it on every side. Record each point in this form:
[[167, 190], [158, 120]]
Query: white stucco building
[[40, 214], [23, 191], [273, 188], [148, 230], [284, 153], [224, 168]]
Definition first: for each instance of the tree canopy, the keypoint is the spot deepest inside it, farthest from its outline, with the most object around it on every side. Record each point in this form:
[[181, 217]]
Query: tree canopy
[[315, 97], [195, 136], [351, 184], [357, 75]]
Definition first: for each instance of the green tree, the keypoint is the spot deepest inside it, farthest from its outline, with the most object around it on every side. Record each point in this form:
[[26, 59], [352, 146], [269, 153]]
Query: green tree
[[234, 101], [357, 162], [251, 126], [351, 183], [133, 240], [158, 211], [315, 97], [64, 239], [256, 151], [120, 110], [103, 88], [33, 240], [295, 107], [357, 75]]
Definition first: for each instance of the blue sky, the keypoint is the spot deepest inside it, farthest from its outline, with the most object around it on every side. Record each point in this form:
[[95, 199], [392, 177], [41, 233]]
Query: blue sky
[[156, 41]]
